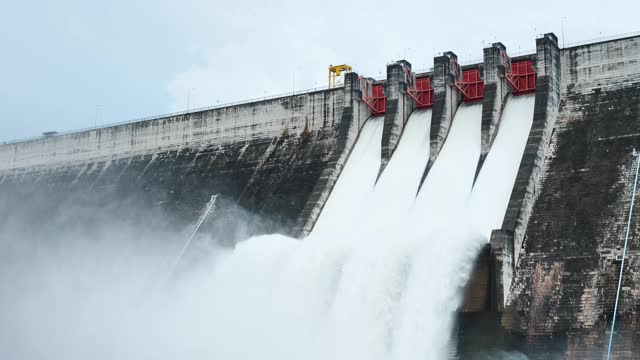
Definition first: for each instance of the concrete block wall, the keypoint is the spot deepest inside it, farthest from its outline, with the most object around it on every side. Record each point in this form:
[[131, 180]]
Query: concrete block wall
[[574, 222], [398, 108]]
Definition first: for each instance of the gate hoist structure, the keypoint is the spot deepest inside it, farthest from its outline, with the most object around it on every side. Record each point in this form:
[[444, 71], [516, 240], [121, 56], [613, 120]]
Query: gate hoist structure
[[335, 72], [520, 75]]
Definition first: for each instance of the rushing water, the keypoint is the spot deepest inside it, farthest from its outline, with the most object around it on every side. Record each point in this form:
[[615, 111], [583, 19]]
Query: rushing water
[[356, 181], [378, 278]]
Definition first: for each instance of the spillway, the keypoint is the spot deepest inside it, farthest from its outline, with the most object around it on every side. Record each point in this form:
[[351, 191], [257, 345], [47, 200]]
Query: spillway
[[450, 179], [364, 309], [438, 237], [356, 180], [394, 192], [378, 278], [456, 218], [335, 294], [492, 189]]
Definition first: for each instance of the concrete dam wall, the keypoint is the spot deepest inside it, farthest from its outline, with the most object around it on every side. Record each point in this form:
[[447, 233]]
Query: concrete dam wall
[[264, 158], [544, 284], [566, 270]]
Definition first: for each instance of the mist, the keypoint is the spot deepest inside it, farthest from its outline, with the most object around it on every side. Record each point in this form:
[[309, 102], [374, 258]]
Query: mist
[[89, 283]]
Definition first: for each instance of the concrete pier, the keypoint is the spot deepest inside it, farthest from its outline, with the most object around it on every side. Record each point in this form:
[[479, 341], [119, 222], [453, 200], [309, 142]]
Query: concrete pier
[[545, 113], [446, 100], [398, 108], [354, 114], [496, 89]]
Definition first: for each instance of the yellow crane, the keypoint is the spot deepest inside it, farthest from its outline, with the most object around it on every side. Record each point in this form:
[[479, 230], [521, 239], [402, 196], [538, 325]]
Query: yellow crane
[[335, 72]]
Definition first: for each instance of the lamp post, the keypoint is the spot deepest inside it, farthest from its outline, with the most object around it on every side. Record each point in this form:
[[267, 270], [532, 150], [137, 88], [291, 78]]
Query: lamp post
[[189, 98]]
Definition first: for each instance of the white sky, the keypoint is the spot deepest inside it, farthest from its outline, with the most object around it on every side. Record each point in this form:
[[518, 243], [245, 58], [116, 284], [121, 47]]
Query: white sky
[[70, 64]]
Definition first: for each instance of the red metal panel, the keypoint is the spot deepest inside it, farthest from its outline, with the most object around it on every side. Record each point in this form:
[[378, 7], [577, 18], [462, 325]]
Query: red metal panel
[[471, 85], [378, 100], [423, 93], [523, 77]]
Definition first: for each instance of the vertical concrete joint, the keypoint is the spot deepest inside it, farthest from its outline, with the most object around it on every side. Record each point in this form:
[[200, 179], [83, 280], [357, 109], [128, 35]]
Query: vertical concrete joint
[[398, 108]]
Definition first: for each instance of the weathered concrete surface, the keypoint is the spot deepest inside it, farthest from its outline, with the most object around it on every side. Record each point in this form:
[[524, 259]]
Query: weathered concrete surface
[[265, 119], [275, 162], [264, 159], [545, 112], [354, 115], [565, 280], [502, 270], [477, 296], [399, 107], [496, 89], [446, 99]]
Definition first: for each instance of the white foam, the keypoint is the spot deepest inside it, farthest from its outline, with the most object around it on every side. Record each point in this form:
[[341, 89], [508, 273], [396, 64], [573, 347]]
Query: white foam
[[378, 278], [356, 180], [493, 187]]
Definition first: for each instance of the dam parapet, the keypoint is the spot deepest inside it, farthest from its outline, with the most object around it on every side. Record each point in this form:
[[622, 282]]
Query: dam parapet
[[307, 112]]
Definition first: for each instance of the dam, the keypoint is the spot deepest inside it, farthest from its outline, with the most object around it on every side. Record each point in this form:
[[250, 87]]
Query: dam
[[473, 211]]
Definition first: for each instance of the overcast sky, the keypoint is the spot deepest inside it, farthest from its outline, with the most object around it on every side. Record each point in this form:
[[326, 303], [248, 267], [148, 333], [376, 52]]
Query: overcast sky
[[67, 65]]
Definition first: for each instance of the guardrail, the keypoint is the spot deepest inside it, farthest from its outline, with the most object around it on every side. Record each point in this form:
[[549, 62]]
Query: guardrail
[[601, 39], [177, 113]]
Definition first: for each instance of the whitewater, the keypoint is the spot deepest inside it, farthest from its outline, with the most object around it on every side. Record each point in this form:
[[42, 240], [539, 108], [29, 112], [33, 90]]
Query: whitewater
[[379, 277]]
